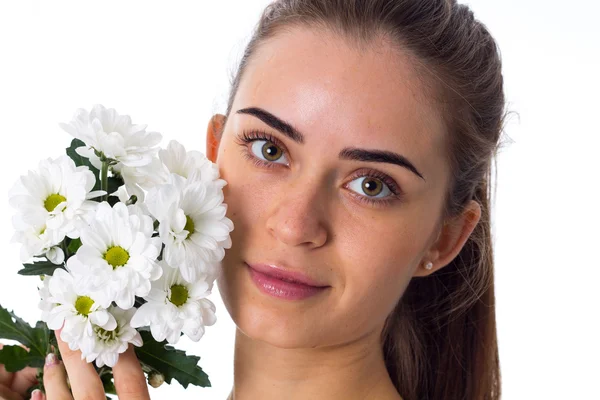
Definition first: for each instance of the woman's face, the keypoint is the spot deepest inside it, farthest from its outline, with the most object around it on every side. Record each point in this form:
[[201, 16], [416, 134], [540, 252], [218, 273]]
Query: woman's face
[[361, 227]]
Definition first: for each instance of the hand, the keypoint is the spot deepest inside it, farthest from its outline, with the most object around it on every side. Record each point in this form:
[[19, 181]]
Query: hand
[[130, 382], [14, 385]]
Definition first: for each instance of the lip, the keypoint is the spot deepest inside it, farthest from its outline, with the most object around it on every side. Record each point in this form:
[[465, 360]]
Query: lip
[[271, 282], [285, 275]]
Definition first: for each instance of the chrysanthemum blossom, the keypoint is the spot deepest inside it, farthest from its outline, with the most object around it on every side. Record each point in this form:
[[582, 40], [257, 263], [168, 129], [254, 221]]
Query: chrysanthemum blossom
[[36, 239], [139, 208], [64, 301], [193, 225], [44, 292], [178, 161], [113, 135], [117, 258], [175, 306], [53, 198], [104, 346], [138, 180], [172, 160]]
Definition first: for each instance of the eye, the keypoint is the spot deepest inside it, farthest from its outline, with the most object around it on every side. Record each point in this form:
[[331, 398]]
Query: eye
[[375, 188], [264, 149], [267, 150], [370, 186]]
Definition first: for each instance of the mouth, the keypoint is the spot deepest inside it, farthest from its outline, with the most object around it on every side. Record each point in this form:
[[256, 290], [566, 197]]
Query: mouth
[[283, 286], [286, 275]]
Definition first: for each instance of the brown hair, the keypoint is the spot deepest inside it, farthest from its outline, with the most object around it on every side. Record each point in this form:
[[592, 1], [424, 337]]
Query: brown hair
[[440, 341]]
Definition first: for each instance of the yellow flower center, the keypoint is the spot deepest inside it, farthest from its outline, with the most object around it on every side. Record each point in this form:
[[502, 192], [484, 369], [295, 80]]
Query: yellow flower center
[[83, 305], [106, 336], [52, 201], [179, 295], [116, 256], [189, 226]]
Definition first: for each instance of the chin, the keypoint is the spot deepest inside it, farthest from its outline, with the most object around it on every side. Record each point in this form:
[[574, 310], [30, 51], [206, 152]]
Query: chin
[[260, 317]]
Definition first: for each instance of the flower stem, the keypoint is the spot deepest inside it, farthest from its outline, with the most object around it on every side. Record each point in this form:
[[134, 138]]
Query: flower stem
[[104, 180], [145, 367], [63, 246]]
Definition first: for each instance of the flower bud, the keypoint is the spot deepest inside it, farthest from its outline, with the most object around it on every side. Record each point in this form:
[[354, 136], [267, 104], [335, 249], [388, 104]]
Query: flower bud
[[132, 200], [155, 379]]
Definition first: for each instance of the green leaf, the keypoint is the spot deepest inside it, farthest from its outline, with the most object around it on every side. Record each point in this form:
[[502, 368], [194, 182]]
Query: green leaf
[[112, 200], [15, 358], [43, 335], [39, 268], [80, 161], [114, 182], [74, 245], [36, 339], [171, 362], [139, 301], [108, 383]]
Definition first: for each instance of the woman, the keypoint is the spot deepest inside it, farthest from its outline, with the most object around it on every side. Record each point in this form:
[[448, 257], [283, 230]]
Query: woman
[[357, 146]]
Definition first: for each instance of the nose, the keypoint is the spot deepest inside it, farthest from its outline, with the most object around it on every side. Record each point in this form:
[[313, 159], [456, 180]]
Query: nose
[[298, 214]]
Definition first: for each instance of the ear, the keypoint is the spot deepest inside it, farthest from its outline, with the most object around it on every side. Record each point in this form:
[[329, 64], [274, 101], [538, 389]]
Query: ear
[[451, 239], [214, 132]]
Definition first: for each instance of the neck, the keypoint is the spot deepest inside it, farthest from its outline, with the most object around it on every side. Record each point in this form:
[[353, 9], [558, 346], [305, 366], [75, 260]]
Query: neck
[[348, 371]]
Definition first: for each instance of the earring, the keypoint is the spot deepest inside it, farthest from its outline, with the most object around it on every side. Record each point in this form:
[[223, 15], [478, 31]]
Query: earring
[[429, 265]]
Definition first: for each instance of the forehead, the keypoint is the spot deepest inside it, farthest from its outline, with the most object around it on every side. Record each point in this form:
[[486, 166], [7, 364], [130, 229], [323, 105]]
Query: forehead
[[370, 98]]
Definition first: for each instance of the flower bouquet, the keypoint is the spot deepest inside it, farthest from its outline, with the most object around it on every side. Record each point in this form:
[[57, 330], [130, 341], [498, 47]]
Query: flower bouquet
[[126, 239]]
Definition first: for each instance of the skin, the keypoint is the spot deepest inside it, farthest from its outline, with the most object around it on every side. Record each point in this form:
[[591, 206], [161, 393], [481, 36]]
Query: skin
[[15, 385], [130, 382], [303, 213]]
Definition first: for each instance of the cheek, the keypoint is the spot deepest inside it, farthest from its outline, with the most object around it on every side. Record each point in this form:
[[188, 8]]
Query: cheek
[[244, 191], [240, 193], [244, 207], [377, 267]]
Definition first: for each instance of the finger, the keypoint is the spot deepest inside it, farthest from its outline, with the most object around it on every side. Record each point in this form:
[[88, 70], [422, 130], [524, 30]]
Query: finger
[[85, 382], [37, 394], [7, 394], [55, 378], [9, 379], [23, 380], [6, 377], [130, 381]]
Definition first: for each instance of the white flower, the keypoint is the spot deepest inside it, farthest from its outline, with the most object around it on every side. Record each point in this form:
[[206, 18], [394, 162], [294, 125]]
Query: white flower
[[139, 208], [113, 135], [55, 255], [104, 345], [116, 260], [175, 306], [193, 225], [172, 160], [63, 300], [138, 180], [44, 293], [186, 164], [36, 239], [54, 198]]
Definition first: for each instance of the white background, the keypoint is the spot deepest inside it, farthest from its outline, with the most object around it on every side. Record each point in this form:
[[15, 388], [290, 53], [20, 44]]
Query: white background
[[167, 64]]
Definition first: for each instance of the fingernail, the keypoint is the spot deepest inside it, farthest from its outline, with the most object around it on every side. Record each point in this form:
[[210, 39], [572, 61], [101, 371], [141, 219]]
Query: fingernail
[[51, 360], [36, 395]]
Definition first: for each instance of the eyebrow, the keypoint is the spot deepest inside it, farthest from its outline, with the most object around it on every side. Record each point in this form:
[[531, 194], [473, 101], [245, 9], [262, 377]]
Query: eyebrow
[[347, 153]]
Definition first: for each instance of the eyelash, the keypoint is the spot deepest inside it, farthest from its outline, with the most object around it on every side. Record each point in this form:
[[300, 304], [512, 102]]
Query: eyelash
[[249, 136]]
